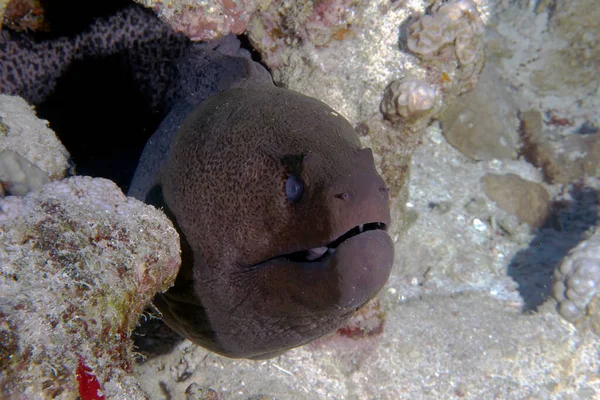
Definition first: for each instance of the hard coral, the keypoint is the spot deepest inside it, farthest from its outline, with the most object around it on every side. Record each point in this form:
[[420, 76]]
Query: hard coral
[[408, 99], [78, 263], [576, 282], [454, 23]]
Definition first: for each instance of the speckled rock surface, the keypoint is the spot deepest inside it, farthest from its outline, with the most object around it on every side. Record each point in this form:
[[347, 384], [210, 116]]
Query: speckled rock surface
[[78, 263], [25, 134]]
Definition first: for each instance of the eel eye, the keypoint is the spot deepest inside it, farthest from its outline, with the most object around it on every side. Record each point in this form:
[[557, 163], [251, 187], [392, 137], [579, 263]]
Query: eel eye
[[294, 188]]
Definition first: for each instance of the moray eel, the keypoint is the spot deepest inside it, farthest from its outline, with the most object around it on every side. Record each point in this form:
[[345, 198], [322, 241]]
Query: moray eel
[[282, 215]]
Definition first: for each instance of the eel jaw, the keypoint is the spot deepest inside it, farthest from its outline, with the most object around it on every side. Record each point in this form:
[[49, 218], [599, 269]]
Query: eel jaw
[[316, 254]]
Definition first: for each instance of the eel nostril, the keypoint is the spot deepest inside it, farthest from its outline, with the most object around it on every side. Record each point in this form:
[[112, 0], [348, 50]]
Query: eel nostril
[[342, 196], [384, 189]]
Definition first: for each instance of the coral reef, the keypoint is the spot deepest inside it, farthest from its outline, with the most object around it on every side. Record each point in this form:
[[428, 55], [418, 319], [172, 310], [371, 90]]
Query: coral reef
[[576, 281], [78, 263], [205, 20], [22, 133]]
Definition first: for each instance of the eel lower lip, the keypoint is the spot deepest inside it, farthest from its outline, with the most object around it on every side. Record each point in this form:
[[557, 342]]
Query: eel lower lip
[[317, 253]]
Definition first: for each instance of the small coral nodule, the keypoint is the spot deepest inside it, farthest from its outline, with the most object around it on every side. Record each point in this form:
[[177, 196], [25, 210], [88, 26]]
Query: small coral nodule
[[409, 99], [577, 278], [455, 22]]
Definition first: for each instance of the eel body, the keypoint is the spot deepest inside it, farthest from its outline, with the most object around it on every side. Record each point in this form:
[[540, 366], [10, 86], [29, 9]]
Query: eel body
[[282, 215]]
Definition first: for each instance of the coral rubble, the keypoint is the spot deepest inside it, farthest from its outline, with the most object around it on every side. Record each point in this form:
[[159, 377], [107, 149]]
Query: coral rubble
[[78, 263]]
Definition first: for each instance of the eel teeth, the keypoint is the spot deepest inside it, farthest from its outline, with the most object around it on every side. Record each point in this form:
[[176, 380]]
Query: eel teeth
[[317, 252]]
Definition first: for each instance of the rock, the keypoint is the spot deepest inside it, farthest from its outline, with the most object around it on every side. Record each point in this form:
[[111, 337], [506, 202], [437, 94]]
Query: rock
[[23, 133], [199, 392], [19, 176], [528, 201], [483, 124], [78, 264], [570, 159], [23, 15], [205, 20], [571, 65]]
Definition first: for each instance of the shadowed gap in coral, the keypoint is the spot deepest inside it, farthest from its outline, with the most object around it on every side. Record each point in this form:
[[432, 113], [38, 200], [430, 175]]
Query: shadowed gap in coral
[[532, 268]]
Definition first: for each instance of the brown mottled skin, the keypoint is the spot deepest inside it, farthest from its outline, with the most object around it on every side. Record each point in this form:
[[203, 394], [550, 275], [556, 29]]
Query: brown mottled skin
[[218, 166], [224, 184]]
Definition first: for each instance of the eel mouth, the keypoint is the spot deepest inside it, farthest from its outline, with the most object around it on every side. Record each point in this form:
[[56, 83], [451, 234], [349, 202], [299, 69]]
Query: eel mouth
[[317, 254]]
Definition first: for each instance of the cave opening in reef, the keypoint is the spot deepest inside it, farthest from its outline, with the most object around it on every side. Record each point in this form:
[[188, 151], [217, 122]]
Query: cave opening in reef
[[97, 109]]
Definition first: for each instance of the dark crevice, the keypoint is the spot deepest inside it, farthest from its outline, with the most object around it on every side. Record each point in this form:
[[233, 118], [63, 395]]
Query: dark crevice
[[69, 17], [101, 117]]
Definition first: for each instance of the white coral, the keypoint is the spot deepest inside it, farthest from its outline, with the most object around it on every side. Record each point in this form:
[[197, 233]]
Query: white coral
[[577, 279], [408, 99], [456, 22], [22, 132], [79, 261]]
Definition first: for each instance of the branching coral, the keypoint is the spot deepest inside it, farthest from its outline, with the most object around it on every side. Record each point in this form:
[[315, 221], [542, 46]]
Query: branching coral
[[78, 263]]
